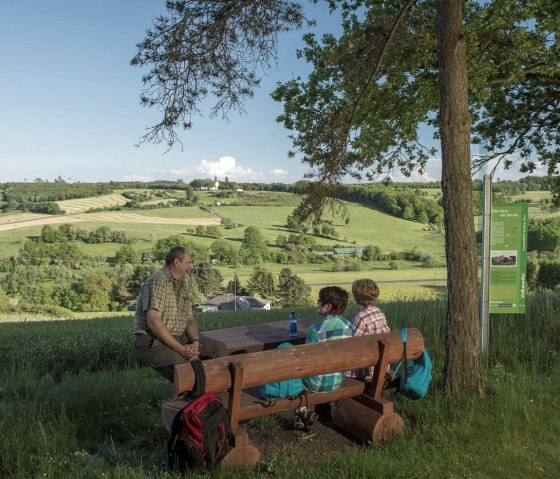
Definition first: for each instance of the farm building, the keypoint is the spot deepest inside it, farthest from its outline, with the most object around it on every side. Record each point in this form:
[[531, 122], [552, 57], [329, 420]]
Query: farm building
[[345, 251], [231, 303]]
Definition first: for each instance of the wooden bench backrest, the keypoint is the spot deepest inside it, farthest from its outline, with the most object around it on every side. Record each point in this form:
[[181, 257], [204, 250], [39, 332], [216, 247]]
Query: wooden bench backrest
[[300, 361]]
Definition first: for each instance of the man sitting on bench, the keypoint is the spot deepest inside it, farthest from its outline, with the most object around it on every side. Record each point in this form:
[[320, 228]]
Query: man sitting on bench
[[331, 304], [166, 332]]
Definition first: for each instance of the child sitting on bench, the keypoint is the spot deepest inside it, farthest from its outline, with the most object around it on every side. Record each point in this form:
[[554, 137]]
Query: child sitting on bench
[[331, 304]]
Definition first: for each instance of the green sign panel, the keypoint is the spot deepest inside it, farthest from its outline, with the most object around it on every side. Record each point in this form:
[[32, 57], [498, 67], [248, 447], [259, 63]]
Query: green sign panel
[[508, 258]]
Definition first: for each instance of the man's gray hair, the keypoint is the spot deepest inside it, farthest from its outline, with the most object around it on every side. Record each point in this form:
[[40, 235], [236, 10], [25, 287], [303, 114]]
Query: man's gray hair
[[175, 252]]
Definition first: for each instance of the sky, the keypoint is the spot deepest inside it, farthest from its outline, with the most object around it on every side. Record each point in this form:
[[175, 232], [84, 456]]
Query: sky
[[69, 103]]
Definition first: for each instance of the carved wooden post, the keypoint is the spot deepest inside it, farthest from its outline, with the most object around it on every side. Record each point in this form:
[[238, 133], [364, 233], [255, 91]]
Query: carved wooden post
[[243, 450]]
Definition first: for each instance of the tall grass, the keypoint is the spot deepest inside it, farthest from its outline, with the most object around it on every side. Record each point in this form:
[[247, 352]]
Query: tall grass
[[75, 404]]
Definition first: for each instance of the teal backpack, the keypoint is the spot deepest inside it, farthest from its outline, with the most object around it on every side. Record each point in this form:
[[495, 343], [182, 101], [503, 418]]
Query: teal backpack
[[291, 388], [417, 376]]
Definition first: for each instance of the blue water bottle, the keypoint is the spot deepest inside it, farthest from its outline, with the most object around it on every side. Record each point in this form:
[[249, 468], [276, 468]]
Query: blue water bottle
[[293, 324]]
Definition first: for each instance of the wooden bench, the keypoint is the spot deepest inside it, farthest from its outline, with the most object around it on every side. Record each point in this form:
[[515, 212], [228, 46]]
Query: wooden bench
[[359, 409]]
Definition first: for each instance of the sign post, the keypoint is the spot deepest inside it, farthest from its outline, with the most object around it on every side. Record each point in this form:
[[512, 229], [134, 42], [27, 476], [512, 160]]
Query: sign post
[[485, 283]]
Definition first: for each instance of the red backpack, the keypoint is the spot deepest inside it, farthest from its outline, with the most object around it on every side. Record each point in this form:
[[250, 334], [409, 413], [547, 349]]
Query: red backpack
[[200, 434]]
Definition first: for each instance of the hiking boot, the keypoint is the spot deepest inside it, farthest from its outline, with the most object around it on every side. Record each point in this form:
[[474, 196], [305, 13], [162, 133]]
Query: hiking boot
[[299, 425], [304, 418], [309, 417], [300, 414]]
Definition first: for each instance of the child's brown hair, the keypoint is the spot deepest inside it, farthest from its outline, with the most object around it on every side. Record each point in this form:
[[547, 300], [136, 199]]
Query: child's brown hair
[[336, 297], [365, 291]]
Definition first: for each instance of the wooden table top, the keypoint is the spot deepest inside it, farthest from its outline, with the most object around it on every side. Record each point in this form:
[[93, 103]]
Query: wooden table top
[[256, 337]]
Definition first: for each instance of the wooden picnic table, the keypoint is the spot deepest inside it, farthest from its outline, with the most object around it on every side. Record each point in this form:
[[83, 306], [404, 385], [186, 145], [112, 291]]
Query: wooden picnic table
[[255, 337]]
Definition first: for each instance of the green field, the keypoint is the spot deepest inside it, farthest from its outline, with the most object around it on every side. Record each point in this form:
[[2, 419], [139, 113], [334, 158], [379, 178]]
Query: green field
[[392, 283], [75, 404], [535, 209], [367, 226], [143, 227], [176, 212]]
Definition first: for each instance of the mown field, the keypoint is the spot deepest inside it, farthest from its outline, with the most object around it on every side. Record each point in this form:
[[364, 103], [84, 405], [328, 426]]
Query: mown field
[[84, 204], [74, 404]]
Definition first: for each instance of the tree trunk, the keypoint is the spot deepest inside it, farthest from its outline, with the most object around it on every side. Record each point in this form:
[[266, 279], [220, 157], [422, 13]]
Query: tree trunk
[[462, 366]]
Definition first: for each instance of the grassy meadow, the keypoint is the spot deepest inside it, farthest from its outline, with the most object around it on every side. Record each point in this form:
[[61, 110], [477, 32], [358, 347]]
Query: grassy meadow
[[74, 404], [145, 226], [367, 226]]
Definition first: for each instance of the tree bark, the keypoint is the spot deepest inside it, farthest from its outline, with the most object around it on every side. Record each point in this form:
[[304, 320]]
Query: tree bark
[[462, 366]]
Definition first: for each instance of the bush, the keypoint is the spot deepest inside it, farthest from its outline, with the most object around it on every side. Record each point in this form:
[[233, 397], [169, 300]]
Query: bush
[[318, 259], [430, 261], [228, 223], [548, 276], [343, 264]]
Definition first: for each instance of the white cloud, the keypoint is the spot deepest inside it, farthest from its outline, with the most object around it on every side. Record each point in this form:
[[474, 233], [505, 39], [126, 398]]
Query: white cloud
[[225, 166], [278, 172], [186, 171], [136, 177], [432, 172], [413, 178], [500, 173]]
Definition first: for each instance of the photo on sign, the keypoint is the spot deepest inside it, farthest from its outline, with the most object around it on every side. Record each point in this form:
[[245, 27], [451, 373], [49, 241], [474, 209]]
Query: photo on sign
[[504, 258]]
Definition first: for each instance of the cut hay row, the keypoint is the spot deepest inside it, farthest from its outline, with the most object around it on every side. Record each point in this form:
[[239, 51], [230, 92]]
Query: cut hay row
[[27, 220], [49, 220], [84, 204], [109, 217], [18, 217], [123, 217]]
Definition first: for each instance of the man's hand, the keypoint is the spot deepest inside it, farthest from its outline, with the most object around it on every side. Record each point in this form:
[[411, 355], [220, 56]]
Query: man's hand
[[160, 331], [191, 351]]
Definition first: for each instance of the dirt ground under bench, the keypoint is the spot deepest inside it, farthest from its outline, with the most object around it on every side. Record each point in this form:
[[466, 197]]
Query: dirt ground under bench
[[275, 437]]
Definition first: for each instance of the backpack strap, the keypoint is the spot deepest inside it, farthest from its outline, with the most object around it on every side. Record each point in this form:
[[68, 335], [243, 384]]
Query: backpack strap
[[404, 336], [200, 378]]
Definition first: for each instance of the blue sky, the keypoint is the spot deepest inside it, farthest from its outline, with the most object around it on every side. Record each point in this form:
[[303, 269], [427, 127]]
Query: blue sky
[[69, 103]]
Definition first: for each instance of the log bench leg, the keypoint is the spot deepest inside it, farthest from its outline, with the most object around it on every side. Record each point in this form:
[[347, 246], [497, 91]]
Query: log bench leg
[[364, 423], [243, 451]]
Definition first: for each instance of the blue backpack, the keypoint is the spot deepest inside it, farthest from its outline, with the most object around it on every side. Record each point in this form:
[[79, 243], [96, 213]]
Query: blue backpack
[[415, 380], [290, 388]]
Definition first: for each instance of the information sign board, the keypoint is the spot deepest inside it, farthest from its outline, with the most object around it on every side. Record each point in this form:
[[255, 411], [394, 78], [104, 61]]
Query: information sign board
[[508, 258]]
